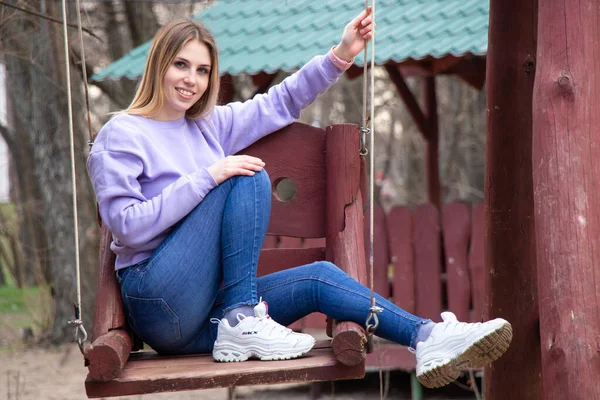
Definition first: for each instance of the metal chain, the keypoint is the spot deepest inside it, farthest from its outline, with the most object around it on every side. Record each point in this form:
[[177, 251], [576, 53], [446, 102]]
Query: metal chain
[[372, 321], [80, 334]]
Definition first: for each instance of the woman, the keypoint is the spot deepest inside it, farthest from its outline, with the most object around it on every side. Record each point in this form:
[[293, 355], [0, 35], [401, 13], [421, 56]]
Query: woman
[[188, 219]]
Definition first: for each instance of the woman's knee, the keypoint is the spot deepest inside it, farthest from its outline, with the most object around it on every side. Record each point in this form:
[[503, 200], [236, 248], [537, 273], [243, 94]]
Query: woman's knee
[[325, 269], [262, 177]]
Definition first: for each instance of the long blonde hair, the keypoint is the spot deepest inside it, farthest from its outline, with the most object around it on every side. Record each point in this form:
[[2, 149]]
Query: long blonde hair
[[168, 41]]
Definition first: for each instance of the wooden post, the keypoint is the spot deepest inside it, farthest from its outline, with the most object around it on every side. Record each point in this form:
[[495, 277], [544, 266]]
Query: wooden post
[[511, 289], [433, 169], [566, 177], [345, 232]]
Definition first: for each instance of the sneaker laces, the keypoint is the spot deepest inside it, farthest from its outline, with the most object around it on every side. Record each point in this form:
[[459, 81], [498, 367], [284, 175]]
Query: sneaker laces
[[269, 325]]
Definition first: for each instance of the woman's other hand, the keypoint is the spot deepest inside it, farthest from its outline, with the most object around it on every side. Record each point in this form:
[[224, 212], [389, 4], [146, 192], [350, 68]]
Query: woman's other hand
[[355, 33], [235, 165]]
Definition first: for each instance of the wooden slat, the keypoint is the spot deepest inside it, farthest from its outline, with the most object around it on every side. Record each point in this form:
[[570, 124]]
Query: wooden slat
[[286, 242], [315, 242], [476, 262], [391, 356], [273, 260], [108, 309], [381, 256], [428, 269], [296, 152], [402, 257], [270, 242], [151, 373], [457, 229]]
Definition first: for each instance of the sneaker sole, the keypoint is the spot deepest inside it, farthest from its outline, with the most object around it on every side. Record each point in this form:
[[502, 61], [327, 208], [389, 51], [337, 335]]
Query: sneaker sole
[[234, 355], [482, 352]]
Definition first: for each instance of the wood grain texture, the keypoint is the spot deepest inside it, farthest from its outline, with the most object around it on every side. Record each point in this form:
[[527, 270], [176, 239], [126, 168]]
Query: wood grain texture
[[566, 178], [108, 354], [510, 265]]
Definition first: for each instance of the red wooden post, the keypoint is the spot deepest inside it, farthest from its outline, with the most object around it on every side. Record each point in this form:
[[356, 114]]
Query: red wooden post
[[566, 177], [433, 169], [345, 232], [509, 238]]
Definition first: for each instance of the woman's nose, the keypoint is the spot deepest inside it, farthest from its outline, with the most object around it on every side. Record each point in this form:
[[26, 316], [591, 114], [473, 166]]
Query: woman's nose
[[188, 80]]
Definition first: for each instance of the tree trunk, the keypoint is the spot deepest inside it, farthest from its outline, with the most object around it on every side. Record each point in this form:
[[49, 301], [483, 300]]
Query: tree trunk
[[141, 20], [510, 255], [566, 175]]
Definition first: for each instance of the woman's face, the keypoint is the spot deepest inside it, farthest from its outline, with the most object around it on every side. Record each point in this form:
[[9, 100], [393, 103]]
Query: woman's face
[[186, 80]]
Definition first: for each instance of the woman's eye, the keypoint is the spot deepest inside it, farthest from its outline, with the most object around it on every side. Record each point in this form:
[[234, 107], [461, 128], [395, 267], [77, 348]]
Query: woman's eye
[[203, 71], [179, 64]]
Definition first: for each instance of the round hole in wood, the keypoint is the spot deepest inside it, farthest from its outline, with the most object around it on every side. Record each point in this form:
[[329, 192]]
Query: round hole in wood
[[284, 189]]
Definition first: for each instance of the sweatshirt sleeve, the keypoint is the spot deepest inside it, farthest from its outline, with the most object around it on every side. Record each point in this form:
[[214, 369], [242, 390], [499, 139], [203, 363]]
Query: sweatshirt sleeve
[[133, 218], [238, 125]]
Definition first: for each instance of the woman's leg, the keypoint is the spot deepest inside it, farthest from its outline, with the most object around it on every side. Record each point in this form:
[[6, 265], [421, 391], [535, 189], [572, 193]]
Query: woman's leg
[[321, 286], [441, 354], [168, 297]]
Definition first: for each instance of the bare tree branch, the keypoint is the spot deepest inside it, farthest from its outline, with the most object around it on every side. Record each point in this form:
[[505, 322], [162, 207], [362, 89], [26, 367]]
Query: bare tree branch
[[46, 17]]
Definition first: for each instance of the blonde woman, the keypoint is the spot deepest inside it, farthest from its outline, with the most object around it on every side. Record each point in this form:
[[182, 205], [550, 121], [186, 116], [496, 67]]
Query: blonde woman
[[189, 217]]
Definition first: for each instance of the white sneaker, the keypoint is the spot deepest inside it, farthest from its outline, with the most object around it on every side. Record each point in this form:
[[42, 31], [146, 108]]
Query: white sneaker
[[454, 346], [260, 337]]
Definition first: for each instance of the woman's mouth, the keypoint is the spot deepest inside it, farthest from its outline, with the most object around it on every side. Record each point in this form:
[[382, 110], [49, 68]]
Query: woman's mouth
[[185, 93]]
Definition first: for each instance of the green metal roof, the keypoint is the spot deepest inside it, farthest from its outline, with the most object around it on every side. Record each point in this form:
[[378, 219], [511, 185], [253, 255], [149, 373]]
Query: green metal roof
[[261, 35]]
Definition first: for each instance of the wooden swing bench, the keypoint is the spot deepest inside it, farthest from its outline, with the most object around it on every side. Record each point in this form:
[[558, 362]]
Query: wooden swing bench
[[325, 166]]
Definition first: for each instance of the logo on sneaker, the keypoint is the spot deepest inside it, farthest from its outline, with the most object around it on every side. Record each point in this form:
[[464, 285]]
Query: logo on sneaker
[[250, 333]]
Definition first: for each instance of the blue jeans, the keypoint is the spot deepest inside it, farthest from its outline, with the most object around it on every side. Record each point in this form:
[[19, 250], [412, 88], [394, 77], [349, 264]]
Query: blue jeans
[[207, 265]]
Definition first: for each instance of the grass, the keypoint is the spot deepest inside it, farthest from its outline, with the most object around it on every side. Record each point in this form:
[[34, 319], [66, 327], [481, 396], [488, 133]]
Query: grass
[[15, 300], [21, 310]]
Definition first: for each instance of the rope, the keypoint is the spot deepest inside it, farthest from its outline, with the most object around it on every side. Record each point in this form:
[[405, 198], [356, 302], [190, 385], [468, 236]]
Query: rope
[[77, 322], [366, 121]]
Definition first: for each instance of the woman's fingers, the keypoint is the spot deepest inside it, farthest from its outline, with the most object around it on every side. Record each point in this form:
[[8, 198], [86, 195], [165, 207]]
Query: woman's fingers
[[361, 17]]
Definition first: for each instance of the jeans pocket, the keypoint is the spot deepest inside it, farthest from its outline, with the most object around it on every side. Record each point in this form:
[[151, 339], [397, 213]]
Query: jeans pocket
[[154, 321]]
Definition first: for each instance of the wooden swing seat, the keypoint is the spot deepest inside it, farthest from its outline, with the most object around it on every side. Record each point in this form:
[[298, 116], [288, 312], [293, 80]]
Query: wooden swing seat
[[326, 168], [147, 372]]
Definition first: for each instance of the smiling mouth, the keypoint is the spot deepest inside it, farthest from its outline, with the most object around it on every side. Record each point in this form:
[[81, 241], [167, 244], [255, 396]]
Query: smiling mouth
[[185, 92]]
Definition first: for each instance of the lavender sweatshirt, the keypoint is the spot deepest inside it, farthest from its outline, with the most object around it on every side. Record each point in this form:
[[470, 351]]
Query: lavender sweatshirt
[[149, 174]]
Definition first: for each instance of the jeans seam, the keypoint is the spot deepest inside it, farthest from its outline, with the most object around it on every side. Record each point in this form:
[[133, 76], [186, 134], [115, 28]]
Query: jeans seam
[[255, 251]]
